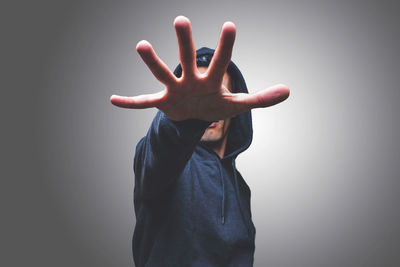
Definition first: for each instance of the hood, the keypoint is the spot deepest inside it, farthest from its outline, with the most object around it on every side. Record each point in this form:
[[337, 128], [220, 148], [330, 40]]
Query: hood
[[240, 132]]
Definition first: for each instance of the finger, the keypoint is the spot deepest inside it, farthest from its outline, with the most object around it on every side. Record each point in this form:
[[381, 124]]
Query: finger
[[138, 102], [264, 98], [155, 64], [187, 52], [223, 52]]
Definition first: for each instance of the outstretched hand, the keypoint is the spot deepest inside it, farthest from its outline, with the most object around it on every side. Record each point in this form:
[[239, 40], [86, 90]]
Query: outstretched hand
[[198, 95]]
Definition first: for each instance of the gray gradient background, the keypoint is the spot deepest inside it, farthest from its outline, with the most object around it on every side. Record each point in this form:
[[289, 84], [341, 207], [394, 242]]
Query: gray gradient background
[[323, 167]]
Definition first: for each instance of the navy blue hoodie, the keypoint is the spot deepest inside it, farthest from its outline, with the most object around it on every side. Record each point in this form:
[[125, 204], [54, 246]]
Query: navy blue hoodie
[[192, 208]]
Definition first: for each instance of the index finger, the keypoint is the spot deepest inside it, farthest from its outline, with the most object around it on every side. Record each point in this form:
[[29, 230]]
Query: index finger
[[222, 56]]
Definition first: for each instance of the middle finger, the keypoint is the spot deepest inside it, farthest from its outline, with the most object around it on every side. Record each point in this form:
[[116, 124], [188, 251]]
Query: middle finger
[[187, 52]]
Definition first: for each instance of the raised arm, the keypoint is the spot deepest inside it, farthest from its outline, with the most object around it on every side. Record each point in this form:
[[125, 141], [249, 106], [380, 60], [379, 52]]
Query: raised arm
[[187, 106], [196, 95], [163, 153]]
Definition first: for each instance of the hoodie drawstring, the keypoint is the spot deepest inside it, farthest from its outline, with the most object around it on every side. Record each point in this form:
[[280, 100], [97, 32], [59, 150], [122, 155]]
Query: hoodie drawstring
[[223, 195], [223, 191]]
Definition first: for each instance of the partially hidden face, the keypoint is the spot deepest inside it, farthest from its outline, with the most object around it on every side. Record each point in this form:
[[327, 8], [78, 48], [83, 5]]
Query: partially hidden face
[[218, 130]]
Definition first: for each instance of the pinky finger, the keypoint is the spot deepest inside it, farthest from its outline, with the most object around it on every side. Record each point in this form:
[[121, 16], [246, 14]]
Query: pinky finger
[[138, 102]]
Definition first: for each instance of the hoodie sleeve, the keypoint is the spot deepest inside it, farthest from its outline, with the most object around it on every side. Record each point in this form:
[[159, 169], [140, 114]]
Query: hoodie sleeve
[[163, 153]]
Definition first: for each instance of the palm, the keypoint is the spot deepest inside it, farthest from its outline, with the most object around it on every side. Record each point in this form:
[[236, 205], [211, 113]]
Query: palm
[[197, 95]]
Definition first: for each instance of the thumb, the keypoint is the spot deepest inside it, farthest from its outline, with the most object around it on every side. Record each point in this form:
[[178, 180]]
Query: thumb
[[264, 98]]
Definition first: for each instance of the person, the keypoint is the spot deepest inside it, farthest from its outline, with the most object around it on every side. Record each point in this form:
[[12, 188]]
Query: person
[[192, 205]]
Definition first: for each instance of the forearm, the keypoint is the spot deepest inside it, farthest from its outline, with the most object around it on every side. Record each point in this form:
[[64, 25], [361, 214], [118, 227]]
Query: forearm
[[163, 153]]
